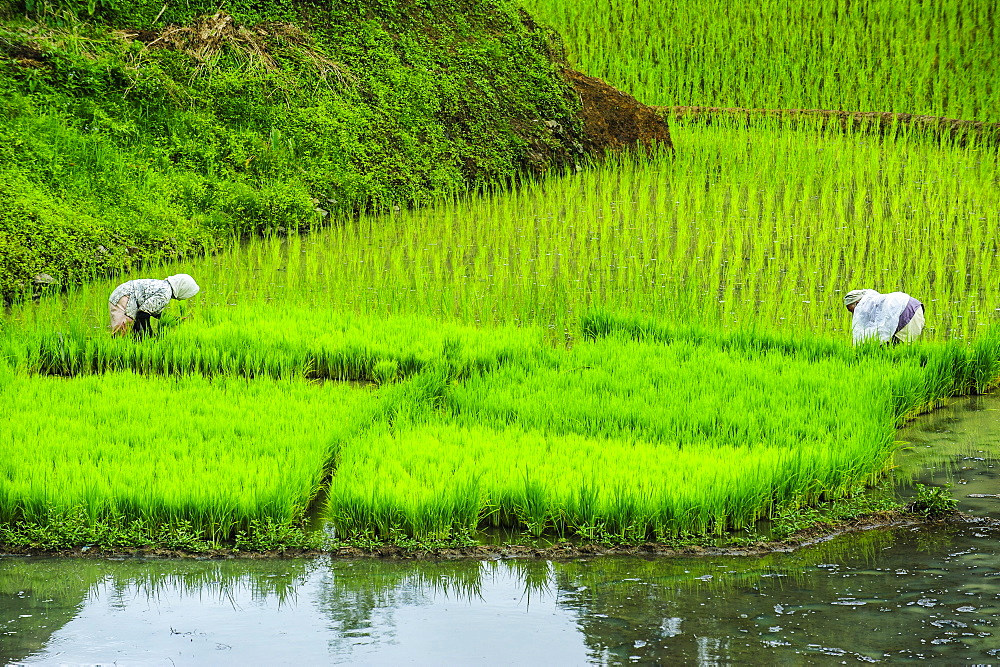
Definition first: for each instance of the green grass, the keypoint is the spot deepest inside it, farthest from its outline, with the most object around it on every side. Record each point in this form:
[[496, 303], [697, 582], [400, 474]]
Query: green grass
[[639, 431], [155, 153]]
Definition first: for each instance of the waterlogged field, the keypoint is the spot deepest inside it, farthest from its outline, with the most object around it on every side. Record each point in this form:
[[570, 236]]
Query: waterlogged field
[[650, 347], [907, 56], [761, 229]]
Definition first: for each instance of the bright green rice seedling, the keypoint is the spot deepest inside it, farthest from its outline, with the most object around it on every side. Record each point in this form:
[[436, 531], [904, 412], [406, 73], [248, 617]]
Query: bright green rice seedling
[[639, 440], [281, 341], [216, 454], [644, 439]]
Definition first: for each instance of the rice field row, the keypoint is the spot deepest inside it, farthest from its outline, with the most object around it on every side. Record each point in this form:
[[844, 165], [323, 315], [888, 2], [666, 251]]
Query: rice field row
[[650, 437], [929, 58], [280, 341], [215, 454]]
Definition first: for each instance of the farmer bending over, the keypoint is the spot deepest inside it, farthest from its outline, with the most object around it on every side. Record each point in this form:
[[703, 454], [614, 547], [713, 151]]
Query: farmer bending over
[[892, 318], [138, 300]]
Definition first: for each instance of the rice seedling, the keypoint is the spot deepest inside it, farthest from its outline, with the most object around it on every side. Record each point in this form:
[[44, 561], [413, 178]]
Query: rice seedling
[[651, 347], [900, 56], [634, 439], [279, 342], [216, 454], [729, 232], [639, 439]]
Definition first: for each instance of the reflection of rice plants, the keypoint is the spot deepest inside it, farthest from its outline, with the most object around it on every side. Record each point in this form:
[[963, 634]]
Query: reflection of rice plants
[[215, 454]]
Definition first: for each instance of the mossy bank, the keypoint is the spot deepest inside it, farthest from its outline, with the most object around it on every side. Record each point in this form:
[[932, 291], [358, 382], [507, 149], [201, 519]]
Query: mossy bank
[[134, 131]]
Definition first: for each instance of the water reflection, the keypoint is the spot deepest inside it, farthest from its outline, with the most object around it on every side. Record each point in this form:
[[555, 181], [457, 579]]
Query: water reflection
[[957, 444], [920, 595], [929, 593], [876, 596], [363, 612]]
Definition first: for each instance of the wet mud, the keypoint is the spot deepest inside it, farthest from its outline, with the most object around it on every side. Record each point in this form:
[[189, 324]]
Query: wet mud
[[562, 550]]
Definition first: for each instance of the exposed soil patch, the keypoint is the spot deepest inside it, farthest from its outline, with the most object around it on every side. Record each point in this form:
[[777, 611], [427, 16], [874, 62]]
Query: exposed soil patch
[[24, 55], [613, 120]]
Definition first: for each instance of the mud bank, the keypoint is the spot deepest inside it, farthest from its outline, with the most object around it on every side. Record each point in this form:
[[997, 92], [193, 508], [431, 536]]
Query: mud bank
[[565, 550]]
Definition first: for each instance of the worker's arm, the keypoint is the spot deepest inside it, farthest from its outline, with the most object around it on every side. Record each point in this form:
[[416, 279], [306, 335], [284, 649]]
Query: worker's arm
[[120, 321]]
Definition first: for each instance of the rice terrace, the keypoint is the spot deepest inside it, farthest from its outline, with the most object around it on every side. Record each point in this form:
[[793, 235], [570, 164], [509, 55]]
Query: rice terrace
[[487, 279]]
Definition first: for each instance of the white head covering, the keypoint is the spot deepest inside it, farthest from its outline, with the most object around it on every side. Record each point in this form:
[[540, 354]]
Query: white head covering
[[855, 295], [183, 285]]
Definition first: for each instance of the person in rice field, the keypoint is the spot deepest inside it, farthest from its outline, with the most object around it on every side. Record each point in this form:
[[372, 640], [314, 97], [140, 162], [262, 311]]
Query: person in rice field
[[891, 318], [132, 304]]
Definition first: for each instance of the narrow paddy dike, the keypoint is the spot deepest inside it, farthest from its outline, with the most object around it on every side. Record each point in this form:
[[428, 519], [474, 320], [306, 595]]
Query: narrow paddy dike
[[953, 130]]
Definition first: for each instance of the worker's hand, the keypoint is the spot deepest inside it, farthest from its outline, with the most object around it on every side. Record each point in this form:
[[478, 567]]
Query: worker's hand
[[122, 327]]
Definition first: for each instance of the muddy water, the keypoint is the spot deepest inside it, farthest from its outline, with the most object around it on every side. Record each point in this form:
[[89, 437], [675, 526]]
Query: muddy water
[[929, 594]]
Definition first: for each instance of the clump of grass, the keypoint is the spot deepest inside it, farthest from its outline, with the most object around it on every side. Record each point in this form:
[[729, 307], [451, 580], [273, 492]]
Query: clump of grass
[[934, 501]]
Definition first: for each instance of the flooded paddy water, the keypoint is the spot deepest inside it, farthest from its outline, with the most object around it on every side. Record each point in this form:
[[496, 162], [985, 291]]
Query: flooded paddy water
[[906, 594]]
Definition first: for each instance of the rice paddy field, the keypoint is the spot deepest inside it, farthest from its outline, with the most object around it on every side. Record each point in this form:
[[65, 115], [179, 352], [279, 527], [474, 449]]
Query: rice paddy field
[[652, 347]]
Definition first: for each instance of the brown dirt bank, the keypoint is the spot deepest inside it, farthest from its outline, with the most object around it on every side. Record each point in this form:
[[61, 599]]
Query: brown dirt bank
[[952, 129], [561, 551], [613, 120]]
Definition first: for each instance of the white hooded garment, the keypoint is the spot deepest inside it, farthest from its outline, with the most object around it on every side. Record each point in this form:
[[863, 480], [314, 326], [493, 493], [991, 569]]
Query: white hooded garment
[[877, 315], [183, 286]]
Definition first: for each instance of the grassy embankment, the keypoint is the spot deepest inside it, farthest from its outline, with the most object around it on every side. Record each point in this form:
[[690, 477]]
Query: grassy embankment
[[639, 429], [133, 132]]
